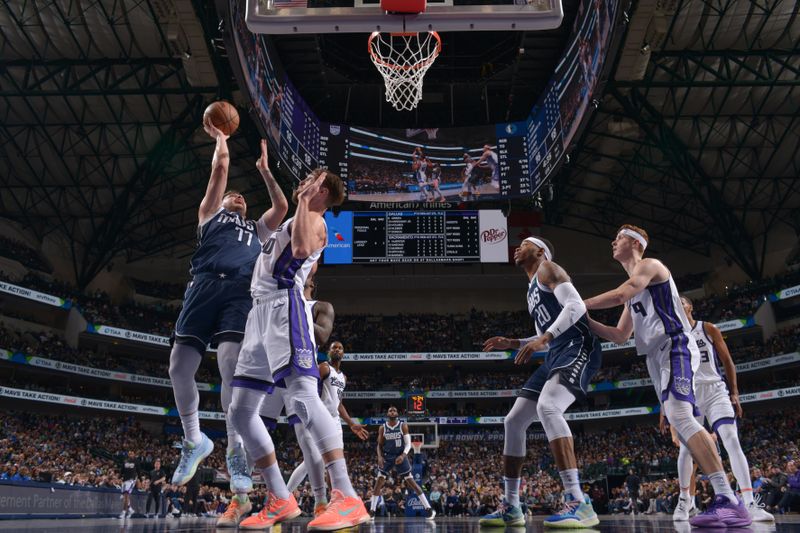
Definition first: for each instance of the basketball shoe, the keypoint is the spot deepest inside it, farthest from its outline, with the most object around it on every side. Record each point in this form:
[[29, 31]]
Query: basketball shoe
[[683, 510], [191, 457], [274, 511], [505, 515], [239, 470], [575, 514], [237, 510], [342, 511], [723, 513]]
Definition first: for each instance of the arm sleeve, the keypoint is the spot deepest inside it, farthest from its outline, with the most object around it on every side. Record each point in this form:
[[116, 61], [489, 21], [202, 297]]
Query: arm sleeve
[[407, 443], [572, 310]]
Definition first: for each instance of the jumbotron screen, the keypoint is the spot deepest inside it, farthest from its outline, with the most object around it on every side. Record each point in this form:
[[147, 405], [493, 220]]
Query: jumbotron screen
[[416, 237], [430, 164]]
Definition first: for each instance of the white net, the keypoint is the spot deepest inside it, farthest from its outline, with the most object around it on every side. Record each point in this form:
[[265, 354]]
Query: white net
[[403, 59]]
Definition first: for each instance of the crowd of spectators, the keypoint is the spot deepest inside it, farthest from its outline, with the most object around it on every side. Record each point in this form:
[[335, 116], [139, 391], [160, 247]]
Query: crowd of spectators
[[462, 476], [22, 252], [380, 177]]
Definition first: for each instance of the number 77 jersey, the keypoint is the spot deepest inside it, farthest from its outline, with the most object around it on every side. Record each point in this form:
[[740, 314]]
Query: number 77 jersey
[[545, 308]]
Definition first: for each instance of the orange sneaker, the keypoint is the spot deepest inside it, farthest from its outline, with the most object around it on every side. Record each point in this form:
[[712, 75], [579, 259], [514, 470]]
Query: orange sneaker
[[319, 509], [274, 510], [342, 512], [235, 512]]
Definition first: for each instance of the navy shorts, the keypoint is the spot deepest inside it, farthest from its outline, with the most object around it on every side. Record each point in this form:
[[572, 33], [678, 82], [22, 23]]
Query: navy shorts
[[214, 310], [575, 363], [402, 469]]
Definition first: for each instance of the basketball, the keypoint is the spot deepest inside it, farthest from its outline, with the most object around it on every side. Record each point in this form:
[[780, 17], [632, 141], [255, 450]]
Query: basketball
[[223, 116]]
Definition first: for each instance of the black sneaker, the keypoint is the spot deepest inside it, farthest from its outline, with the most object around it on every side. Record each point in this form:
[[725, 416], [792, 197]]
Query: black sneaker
[[430, 514]]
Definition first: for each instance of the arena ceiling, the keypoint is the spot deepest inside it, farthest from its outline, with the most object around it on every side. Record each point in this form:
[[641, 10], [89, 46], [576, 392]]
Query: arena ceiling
[[696, 135]]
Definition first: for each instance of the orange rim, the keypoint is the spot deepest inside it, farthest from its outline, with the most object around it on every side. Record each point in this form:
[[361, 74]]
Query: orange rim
[[377, 59]]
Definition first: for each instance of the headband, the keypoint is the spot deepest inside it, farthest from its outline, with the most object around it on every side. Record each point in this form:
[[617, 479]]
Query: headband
[[636, 236], [540, 243]]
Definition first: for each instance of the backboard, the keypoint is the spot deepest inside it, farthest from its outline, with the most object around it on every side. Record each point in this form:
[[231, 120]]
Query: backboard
[[366, 16]]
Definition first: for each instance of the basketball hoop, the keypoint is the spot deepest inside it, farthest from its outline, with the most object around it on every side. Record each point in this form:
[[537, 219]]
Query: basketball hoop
[[403, 59]]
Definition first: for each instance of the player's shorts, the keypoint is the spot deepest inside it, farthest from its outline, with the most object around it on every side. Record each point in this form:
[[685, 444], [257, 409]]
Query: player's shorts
[[575, 364], [403, 469], [714, 403], [214, 310], [278, 342], [127, 486], [272, 406], [672, 367]]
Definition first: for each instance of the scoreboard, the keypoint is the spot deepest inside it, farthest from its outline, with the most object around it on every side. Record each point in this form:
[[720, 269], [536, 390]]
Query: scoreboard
[[416, 237]]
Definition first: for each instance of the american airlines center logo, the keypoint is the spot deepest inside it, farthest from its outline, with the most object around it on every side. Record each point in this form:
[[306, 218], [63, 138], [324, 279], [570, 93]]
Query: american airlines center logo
[[494, 235]]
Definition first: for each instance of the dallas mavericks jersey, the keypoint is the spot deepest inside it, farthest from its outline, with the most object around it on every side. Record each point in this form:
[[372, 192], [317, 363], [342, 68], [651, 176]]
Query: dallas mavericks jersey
[[393, 439], [657, 315], [276, 268], [333, 391], [545, 308], [710, 369], [227, 246]]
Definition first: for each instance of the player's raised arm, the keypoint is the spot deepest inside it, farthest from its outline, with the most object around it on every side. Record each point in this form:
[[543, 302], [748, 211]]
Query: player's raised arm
[[219, 174], [646, 271], [308, 231], [725, 358], [619, 334], [323, 322], [273, 217]]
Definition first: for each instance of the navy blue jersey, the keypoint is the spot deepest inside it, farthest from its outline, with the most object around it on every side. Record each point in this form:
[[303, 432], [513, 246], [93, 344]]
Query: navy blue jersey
[[227, 246], [545, 308], [393, 439]]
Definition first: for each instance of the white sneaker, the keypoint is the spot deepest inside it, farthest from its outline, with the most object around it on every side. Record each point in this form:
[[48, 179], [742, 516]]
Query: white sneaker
[[681, 513], [758, 514], [122, 515]]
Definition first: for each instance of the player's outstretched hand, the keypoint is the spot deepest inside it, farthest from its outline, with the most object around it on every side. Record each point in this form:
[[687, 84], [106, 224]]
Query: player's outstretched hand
[[399, 458], [311, 188], [526, 352], [263, 162], [360, 431], [213, 131], [497, 343], [737, 405]]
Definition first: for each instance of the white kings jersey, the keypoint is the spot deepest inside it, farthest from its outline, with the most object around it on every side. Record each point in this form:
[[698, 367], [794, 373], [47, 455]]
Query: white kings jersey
[[468, 168], [276, 268], [421, 177], [333, 391], [657, 315], [710, 369], [492, 162]]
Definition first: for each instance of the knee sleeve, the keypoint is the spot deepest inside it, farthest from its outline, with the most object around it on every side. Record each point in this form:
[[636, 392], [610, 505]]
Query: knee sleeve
[[227, 355], [314, 466], [307, 405], [521, 415], [183, 364], [244, 416], [681, 417], [553, 402]]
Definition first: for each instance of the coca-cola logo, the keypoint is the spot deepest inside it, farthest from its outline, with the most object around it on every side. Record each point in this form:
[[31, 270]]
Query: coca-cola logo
[[493, 236]]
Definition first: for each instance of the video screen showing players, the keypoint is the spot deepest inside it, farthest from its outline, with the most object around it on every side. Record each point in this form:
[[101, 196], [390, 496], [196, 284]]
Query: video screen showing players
[[423, 165]]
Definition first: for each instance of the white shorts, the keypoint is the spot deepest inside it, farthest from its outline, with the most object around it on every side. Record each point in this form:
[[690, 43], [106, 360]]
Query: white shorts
[[278, 342], [672, 367], [127, 486], [715, 404]]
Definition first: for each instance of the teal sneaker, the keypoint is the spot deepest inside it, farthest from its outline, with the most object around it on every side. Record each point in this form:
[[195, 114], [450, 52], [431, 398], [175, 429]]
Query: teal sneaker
[[574, 515], [191, 457], [507, 515], [239, 470]]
